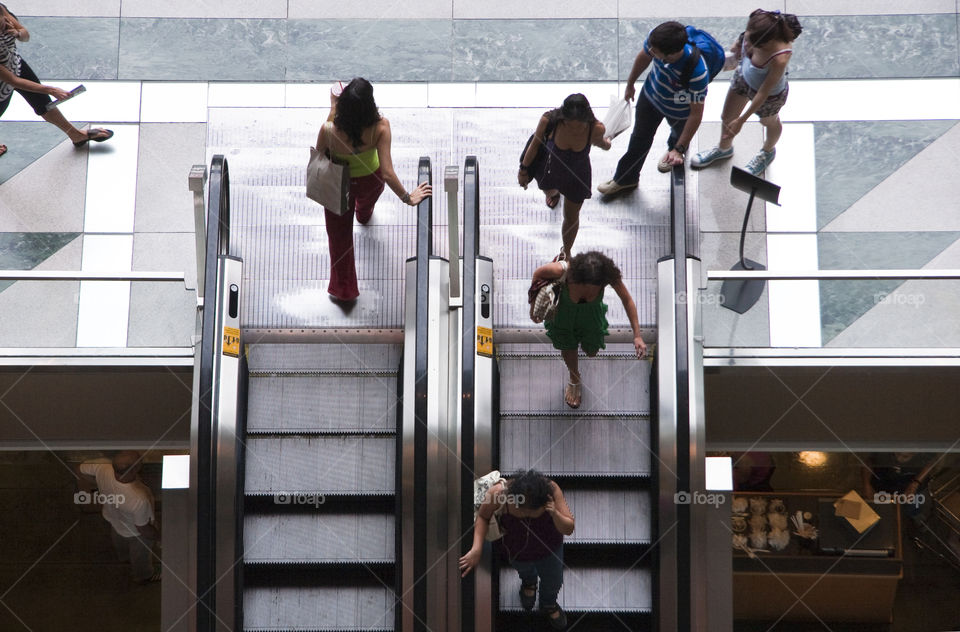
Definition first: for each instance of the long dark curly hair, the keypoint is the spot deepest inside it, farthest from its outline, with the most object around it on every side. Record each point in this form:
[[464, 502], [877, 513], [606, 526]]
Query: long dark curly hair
[[532, 486], [356, 110], [593, 268]]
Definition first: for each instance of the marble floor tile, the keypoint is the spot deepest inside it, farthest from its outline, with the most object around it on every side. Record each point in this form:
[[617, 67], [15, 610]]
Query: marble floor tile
[[794, 305], [631, 9], [104, 306], [26, 142], [71, 8], [109, 101], [163, 314], [193, 49], [535, 50], [723, 327], [843, 302], [43, 313], [868, 7], [528, 9], [871, 100], [721, 206], [853, 157], [166, 153], [245, 9], [378, 50], [370, 9], [547, 95], [246, 95], [833, 47], [892, 204], [111, 182], [29, 203], [169, 102], [25, 251], [72, 48]]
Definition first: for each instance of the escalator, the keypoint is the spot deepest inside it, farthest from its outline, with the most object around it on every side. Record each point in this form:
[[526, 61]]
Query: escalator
[[600, 456], [318, 527], [300, 458]]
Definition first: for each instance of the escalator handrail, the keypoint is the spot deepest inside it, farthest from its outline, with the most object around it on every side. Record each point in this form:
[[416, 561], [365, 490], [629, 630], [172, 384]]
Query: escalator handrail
[[218, 239], [424, 254], [471, 249], [680, 251]]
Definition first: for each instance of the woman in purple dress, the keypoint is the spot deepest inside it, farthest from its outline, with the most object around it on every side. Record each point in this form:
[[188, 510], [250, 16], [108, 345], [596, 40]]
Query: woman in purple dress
[[534, 517]]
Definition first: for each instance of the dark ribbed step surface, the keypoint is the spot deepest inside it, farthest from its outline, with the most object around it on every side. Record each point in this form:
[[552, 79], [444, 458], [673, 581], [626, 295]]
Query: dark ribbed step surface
[[602, 457], [319, 528]]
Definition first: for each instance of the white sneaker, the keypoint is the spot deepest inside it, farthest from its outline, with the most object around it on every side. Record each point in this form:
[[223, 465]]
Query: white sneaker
[[610, 187]]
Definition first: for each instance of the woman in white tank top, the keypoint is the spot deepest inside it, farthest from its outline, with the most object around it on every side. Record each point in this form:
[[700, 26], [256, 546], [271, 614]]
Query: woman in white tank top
[[759, 84]]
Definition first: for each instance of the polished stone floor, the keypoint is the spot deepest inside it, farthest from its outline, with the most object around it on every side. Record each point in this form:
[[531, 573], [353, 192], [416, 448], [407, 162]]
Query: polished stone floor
[[866, 162]]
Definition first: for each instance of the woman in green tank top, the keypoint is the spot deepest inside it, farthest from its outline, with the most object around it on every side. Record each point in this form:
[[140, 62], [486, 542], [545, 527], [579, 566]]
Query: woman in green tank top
[[355, 133], [581, 320]]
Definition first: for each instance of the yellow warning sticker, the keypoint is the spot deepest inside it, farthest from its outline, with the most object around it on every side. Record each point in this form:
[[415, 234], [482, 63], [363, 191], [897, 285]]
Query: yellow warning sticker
[[231, 342], [485, 341]]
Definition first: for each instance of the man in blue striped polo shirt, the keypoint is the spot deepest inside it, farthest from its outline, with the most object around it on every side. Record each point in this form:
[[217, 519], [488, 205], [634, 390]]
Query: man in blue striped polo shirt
[[662, 96]]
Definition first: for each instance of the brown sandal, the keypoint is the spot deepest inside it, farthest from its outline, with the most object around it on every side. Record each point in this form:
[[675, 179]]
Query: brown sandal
[[574, 390]]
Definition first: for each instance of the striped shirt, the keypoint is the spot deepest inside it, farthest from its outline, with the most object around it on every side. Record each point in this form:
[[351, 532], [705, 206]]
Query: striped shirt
[[663, 89], [10, 59]]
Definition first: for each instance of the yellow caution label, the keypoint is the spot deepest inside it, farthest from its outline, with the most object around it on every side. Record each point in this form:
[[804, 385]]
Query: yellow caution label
[[485, 341], [231, 342]]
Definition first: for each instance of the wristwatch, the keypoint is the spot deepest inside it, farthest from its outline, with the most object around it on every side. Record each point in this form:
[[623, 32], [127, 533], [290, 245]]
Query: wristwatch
[[681, 149]]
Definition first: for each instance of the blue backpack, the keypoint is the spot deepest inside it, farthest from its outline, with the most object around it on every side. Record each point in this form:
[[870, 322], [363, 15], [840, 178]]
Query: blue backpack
[[704, 45]]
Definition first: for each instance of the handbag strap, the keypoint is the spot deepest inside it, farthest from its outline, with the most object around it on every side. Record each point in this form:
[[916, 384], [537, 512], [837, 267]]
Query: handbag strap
[[566, 266]]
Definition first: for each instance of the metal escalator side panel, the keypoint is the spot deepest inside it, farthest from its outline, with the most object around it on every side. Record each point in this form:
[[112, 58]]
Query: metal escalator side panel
[[226, 433], [666, 449], [484, 431], [414, 400], [202, 576]]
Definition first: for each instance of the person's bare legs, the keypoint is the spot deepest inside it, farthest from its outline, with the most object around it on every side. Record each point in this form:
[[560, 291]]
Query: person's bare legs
[[732, 107], [774, 128], [570, 226], [56, 118], [572, 361]]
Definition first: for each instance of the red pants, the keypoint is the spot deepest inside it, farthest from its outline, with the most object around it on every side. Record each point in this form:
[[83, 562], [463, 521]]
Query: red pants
[[364, 193]]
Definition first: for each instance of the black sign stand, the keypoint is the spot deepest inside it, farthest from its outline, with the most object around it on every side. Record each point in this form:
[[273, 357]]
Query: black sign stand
[[742, 294]]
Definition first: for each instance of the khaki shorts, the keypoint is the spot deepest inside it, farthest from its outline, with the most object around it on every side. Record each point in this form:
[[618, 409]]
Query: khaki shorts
[[773, 103]]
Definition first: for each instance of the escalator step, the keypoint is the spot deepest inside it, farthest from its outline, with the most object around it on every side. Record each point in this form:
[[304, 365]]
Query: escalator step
[[589, 590], [316, 609], [568, 445], [583, 621], [614, 384], [319, 538], [332, 403], [609, 516], [320, 464], [320, 357]]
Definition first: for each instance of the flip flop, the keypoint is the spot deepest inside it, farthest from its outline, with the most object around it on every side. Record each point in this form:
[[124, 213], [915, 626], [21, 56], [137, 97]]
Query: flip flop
[[102, 135], [575, 390], [553, 200]]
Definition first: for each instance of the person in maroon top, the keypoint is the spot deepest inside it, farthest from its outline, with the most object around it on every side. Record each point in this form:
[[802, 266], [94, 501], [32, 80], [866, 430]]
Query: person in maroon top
[[534, 517]]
